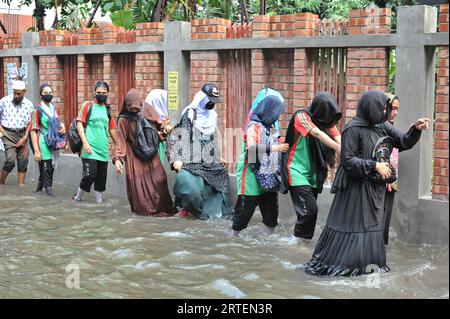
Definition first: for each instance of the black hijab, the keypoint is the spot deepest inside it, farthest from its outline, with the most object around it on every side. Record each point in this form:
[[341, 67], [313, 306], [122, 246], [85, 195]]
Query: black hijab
[[268, 111], [324, 112], [370, 110]]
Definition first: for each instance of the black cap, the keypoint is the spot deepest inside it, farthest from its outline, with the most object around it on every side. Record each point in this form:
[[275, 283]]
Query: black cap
[[212, 92]]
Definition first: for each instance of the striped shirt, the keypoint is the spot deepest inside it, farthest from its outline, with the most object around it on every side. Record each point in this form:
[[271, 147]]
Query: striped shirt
[[299, 166]]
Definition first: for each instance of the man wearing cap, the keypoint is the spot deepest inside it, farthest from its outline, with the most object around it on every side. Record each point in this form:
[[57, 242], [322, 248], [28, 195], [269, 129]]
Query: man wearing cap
[[15, 114], [202, 185]]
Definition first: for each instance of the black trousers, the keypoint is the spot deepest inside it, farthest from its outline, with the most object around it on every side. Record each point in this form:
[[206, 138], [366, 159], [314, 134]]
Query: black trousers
[[388, 207], [94, 172], [246, 205], [304, 201], [46, 173]]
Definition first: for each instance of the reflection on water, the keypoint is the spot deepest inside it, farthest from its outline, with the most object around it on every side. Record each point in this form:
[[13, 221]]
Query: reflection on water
[[121, 255]]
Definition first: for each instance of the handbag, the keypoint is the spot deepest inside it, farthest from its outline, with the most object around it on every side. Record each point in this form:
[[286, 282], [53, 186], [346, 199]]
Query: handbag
[[267, 167], [382, 153]]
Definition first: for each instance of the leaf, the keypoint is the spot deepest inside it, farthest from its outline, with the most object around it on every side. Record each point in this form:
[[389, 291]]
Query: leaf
[[123, 18], [108, 6]]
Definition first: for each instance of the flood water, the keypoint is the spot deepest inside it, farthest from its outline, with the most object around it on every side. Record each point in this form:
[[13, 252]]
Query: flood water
[[122, 255]]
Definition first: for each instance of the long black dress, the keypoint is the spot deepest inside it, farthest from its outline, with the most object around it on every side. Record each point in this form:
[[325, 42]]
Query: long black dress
[[353, 235]]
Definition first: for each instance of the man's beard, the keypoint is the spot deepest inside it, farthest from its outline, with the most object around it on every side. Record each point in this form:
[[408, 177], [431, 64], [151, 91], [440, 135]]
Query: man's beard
[[18, 101]]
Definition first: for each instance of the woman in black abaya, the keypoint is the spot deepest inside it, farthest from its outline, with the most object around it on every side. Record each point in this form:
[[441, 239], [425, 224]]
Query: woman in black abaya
[[353, 235]]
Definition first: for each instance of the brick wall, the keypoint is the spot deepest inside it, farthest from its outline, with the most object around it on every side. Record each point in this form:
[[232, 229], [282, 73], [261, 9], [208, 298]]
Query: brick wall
[[150, 32], [52, 38], [51, 71], [275, 69], [16, 23], [111, 76], [441, 160], [367, 68], [202, 29], [300, 24], [90, 70], [149, 71], [209, 67], [288, 71], [10, 41], [6, 61], [149, 67]]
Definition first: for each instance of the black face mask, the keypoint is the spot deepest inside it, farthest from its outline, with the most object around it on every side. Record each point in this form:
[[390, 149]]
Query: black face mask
[[47, 98], [209, 105], [101, 98]]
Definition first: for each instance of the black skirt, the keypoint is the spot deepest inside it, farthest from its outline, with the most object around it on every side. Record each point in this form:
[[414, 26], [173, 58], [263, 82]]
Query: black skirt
[[351, 241]]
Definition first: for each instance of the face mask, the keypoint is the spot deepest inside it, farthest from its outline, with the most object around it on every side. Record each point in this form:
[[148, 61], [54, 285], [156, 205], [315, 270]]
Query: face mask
[[47, 98], [209, 105], [101, 98]]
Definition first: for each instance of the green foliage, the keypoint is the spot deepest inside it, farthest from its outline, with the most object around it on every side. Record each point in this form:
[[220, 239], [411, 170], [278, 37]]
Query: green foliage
[[391, 84], [123, 18], [129, 12], [73, 15]]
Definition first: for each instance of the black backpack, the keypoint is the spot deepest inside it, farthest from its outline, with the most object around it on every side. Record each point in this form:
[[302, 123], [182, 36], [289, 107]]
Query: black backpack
[[73, 137], [146, 141]]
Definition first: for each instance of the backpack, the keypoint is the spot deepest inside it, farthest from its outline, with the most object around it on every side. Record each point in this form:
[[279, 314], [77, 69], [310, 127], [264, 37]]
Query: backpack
[[53, 139], [74, 138], [146, 141], [267, 168]]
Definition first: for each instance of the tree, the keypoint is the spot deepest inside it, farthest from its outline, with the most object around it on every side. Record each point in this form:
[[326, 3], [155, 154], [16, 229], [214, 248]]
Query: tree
[[127, 13]]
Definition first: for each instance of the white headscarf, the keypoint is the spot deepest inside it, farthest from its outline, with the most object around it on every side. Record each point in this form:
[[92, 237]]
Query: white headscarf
[[158, 100], [206, 121]]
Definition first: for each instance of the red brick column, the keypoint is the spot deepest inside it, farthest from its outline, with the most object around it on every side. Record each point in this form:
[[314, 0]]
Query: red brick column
[[300, 24], [110, 34], [367, 68], [51, 71], [84, 85], [6, 61], [441, 169], [209, 29], [303, 78], [149, 71], [111, 76], [275, 69], [90, 70], [49, 38], [88, 36], [10, 41], [150, 32], [209, 66], [149, 67], [287, 70]]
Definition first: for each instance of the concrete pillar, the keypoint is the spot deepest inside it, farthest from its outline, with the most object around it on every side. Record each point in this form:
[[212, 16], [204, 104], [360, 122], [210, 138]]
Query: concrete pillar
[[414, 84], [177, 60], [31, 40]]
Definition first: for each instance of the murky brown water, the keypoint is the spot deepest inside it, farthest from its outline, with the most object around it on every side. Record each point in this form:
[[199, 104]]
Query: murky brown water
[[122, 255]]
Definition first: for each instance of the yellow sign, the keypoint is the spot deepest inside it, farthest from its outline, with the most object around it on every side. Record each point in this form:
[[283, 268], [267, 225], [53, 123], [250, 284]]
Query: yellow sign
[[172, 85], [173, 81], [172, 100]]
